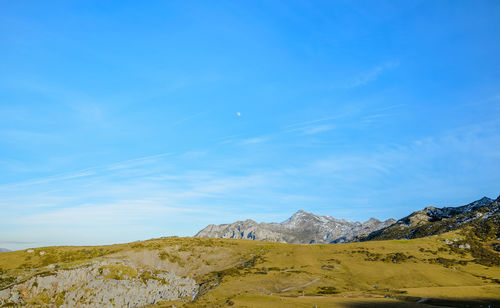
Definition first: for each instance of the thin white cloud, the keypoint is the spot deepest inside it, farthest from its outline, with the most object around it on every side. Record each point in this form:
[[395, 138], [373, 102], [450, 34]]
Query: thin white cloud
[[390, 107], [154, 188], [376, 116], [185, 119], [312, 130], [194, 154], [255, 140], [371, 75], [324, 119], [125, 164], [83, 107], [136, 161], [316, 126], [122, 212], [467, 148]]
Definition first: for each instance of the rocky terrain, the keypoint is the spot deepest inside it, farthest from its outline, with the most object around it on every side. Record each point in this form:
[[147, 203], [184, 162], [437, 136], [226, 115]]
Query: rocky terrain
[[481, 214], [301, 228], [107, 283]]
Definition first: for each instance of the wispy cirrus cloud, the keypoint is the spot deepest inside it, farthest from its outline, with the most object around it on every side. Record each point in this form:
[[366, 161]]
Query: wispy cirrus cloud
[[151, 192], [293, 126], [255, 140], [313, 130], [371, 75], [135, 162], [187, 118], [91, 171], [424, 162], [321, 124], [121, 212]]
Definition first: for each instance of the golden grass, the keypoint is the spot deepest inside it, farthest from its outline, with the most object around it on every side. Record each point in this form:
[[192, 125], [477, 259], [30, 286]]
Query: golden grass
[[246, 273]]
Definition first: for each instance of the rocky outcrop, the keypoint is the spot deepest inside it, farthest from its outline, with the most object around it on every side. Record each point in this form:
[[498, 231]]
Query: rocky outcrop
[[247, 229], [103, 284], [301, 228], [432, 220], [432, 214]]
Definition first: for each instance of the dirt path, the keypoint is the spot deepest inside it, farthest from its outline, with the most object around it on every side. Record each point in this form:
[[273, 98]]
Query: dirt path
[[300, 287]]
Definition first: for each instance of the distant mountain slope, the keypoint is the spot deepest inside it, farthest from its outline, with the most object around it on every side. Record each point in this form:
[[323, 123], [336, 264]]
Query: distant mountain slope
[[431, 221], [301, 228], [4, 250]]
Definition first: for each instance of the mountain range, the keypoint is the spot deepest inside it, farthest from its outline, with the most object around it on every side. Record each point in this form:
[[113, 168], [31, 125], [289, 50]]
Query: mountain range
[[301, 228], [308, 228]]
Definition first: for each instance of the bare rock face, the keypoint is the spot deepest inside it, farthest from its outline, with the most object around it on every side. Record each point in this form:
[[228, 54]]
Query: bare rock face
[[102, 284], [301, 228], [247, 229], [432, 214], [433, 220]]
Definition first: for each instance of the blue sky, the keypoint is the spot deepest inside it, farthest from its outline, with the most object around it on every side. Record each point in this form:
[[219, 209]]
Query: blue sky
[[122, 120]]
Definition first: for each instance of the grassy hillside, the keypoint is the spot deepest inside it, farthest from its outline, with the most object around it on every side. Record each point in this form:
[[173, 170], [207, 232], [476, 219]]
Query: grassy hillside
[[245, 273]]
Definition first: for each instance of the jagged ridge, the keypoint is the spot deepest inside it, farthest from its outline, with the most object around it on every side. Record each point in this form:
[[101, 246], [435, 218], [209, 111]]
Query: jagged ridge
[[305, 228], [301, 228], [432, 220]]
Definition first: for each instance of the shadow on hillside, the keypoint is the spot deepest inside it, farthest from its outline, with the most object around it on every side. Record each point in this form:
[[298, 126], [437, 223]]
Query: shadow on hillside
[[428, 303]]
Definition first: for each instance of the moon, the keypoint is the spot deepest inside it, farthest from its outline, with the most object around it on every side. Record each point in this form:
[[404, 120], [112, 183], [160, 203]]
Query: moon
[[238, 114]]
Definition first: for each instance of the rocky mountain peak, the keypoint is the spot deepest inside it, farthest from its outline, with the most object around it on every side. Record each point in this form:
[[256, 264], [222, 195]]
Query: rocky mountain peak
[[434, 220], [432, 213], [302, 228], [371, 222], [478, 203], [249, 221], [299, 214]]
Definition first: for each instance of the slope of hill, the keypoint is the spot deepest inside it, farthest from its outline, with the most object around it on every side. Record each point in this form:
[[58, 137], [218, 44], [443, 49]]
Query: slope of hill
[[457, 268], [482, 214], [200, 272], [301, 228]]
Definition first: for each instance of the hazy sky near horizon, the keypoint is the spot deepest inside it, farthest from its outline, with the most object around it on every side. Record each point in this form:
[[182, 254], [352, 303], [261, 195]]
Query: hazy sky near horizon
[[126, 120]]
